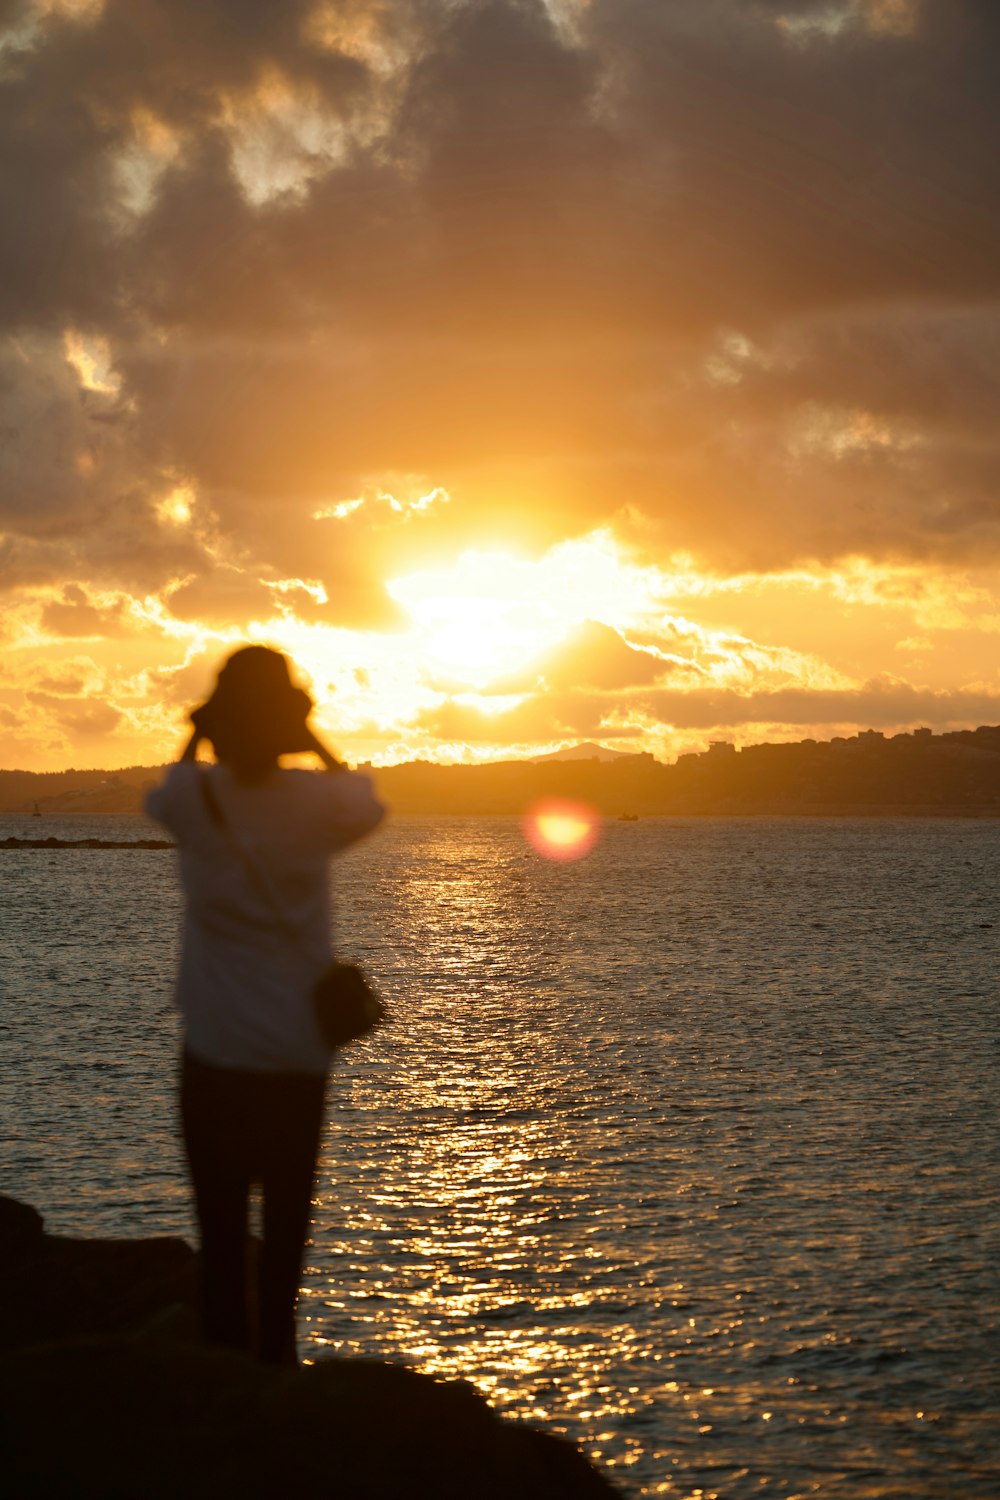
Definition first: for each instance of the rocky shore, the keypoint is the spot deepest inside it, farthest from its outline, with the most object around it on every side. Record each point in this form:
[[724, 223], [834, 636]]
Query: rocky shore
[[105, 1392]]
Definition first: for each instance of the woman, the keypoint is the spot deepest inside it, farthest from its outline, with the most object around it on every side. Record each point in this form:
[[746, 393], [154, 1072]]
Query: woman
[[254, 840]]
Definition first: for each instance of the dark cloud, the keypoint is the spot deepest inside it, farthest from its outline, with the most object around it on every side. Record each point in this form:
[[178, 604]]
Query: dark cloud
[[219, 595], [801, 176], [86, 718], [595, 656], [879, 704], [74, 615], [93, 719], [538, 720], [54, 437], [183, 686], [70, 685]]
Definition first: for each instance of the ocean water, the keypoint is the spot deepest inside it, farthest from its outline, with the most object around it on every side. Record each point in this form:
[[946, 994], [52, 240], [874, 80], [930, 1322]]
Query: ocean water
[[688, 1150]]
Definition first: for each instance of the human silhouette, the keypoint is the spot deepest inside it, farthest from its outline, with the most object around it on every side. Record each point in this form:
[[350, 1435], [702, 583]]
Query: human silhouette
[[254, 840]]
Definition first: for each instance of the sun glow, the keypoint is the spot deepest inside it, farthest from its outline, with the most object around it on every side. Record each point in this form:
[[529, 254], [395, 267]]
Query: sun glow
[[176, 508], [481, 618], [492, 613]]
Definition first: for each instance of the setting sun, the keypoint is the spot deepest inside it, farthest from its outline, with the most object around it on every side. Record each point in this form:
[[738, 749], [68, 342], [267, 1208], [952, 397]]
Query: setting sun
[[483, 616]]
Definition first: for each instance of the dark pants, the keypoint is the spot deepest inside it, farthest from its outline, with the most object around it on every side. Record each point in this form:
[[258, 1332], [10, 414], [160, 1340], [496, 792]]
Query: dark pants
[[242, 1128]]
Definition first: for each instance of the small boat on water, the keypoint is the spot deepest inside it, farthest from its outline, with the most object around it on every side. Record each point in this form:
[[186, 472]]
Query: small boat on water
[[628, 817], [37, 811]]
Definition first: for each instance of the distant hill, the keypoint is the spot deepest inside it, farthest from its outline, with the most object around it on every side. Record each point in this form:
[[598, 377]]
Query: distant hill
[[919, 773], [586, 751], [59, 793]]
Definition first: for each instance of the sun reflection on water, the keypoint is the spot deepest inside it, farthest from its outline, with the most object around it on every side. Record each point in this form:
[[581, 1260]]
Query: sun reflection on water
[[614, 1204]]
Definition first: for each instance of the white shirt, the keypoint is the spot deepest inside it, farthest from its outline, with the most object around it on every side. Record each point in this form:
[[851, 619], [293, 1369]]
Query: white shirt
[[248, 967]]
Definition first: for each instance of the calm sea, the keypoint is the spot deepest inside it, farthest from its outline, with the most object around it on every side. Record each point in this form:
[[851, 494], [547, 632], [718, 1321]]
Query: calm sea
[[688, 1150]]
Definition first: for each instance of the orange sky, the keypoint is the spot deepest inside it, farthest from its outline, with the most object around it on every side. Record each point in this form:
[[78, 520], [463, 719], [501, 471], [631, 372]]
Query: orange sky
[[532, 373]]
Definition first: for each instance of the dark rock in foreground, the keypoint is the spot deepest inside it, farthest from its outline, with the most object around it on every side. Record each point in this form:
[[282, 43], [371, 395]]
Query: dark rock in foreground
[[105, 1393], [54, 1288]]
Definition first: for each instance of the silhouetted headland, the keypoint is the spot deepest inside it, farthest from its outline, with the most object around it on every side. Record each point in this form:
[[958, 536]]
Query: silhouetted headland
[[105, 1393], [54, 843], [866, 775]]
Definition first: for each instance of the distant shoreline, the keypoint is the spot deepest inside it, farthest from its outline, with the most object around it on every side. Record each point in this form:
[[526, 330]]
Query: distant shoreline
[[14, 844], [57, 843], [923, 775]]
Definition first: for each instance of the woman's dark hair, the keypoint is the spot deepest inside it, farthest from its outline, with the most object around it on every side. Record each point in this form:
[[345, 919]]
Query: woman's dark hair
[[256, 713]]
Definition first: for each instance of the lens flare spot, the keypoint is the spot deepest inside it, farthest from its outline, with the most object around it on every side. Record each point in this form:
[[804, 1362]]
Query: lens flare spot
[[562, 830]]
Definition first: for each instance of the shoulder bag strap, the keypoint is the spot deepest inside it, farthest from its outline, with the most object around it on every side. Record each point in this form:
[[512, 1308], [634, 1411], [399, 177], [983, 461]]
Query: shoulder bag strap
[[254, 874]]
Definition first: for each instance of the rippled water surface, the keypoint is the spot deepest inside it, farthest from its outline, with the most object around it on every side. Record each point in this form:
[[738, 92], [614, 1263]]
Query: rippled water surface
[[688, 1150]]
